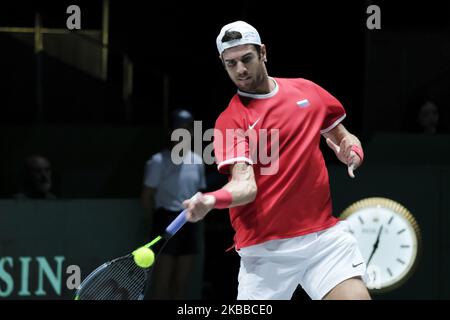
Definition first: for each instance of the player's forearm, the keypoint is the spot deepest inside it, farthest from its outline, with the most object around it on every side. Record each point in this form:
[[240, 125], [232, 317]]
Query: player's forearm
[[233, 194], [239, 191], [242, 185], [242, 192], [340, 134]]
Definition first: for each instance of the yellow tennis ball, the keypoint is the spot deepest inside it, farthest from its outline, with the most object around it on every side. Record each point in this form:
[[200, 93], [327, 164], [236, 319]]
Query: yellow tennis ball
[[144, 257]]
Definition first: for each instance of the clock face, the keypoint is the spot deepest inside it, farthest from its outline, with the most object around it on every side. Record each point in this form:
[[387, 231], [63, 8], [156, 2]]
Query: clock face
[[389, 242]]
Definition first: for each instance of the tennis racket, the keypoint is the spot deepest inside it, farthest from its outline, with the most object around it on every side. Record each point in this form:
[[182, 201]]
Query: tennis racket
[[122, 278]]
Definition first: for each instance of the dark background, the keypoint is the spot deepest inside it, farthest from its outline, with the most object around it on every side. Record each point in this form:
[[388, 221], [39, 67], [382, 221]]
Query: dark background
[[324, 41], [56, 103]]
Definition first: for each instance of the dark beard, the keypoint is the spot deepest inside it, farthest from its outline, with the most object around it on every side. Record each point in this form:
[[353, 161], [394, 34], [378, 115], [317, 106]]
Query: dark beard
[[258, 82]]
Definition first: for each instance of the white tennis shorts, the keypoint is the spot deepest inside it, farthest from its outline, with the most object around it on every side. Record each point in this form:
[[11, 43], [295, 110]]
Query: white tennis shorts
[[317, 261]]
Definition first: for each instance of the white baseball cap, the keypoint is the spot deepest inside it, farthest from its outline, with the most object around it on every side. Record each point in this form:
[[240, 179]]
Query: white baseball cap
[[249, 35]]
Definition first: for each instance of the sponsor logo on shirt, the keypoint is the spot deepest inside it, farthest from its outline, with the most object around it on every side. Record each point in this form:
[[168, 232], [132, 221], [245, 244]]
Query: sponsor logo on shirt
[[250, 127]]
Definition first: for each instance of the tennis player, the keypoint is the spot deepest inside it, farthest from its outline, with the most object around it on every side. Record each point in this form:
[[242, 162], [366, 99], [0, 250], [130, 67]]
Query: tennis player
[[285, 232]]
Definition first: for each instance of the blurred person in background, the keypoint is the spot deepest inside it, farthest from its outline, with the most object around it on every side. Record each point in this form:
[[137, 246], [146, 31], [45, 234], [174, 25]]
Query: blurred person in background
[[36, 179], [166, 185], [425, 116]]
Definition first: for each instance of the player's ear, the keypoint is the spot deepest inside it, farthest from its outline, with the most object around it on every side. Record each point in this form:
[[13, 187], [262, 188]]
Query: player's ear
[[221, 60], [263, 53]]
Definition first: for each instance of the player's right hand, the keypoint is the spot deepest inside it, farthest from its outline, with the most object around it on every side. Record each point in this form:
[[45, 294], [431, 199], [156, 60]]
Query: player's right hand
[[198, 206]]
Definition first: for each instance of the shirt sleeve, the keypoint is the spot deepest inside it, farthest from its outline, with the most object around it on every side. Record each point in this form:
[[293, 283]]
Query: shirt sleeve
[[231, 143], [334, 111], [153, 169]]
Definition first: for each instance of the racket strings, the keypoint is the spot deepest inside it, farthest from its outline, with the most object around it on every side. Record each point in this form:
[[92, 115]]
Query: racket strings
[[120, 280], [117, 282], [124, 283]]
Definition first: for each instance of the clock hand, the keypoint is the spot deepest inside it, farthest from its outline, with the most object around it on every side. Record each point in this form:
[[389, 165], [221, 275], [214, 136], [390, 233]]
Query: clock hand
[[375, 245]]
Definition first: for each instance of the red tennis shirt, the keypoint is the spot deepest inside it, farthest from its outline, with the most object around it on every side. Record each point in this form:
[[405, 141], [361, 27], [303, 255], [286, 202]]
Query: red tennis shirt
[[279, 134]]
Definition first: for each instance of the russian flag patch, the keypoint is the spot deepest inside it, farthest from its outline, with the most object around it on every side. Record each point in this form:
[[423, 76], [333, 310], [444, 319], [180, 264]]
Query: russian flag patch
[[303, 103]]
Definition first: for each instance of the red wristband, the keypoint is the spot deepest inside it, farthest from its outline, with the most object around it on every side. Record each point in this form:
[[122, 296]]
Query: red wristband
[[223, 198], [358, 151]]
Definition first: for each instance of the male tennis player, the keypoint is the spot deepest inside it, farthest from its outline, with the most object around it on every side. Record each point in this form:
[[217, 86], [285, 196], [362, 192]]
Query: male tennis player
[[285, 231]]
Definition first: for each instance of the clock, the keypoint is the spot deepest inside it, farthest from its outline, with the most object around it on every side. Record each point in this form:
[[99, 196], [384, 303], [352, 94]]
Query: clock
[[389, 239]]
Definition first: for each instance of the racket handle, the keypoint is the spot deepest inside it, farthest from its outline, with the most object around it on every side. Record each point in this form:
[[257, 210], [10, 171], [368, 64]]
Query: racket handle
[[176, 224]]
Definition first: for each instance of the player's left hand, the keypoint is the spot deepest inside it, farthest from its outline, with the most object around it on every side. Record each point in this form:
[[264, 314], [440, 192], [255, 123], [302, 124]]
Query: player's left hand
[[345, 154]]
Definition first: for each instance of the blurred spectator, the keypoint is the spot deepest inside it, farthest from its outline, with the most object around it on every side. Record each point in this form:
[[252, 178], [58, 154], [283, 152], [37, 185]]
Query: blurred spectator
[[166, 185], [36, 179], [426, 116]]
